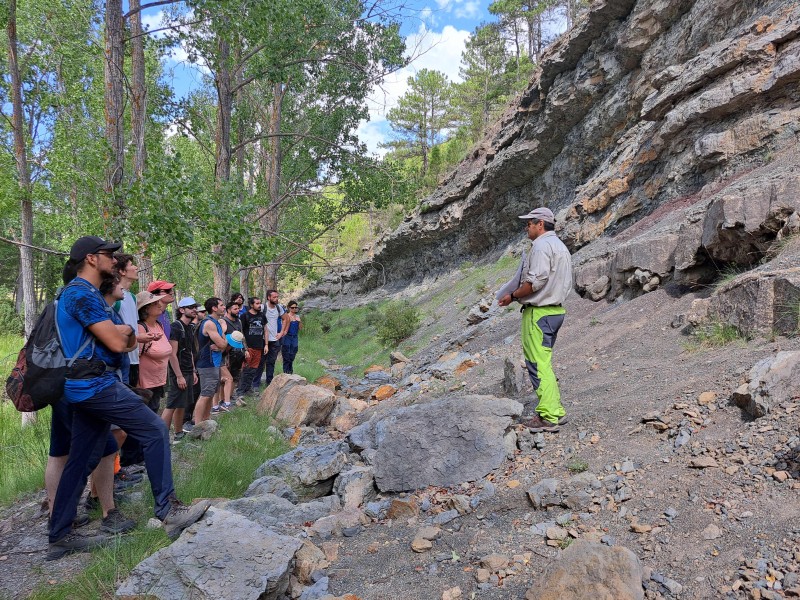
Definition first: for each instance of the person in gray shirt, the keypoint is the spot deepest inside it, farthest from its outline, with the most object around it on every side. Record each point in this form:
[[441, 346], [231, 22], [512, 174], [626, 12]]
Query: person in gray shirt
[[544, 282]]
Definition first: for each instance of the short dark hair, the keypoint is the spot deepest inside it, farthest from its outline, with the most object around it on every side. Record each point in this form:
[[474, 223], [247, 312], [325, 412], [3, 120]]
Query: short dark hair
[[291, 303], [123, 260], [70, 270], [231, 303], [108, 284], [547, 225], [237, 295], [211, 303], [270, 292], [252, 300]]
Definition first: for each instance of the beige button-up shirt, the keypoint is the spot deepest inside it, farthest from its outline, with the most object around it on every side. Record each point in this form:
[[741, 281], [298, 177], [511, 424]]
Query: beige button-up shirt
[[548, 268]]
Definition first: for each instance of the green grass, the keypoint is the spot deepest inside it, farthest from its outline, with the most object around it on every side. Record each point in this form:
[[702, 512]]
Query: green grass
[[345, 337], [219, 468], [577, 465], [714, 335], [23, 450]]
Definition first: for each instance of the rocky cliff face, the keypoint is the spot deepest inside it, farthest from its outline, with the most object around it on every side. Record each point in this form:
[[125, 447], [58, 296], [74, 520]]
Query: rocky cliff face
[[646, 109]]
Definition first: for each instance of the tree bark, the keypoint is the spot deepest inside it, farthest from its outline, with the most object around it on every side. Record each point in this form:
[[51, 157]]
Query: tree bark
[[222, 168], [23, 175], [113, 75], [138, 91], [271, 167]]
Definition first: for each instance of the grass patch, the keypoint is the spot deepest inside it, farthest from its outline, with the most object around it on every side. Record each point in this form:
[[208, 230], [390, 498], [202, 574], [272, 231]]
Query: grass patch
[[577, 465], [346, 337], [729, 273], [715, 335]]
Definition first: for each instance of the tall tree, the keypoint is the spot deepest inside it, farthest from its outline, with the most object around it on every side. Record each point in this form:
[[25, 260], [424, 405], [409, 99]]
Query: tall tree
[[23, 173], [421, 114]]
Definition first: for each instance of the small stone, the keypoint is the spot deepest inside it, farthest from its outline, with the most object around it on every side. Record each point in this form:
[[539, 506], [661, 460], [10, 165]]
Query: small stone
[[627, 467], [707, 398], [153, 523], [402, 508], [351, 531], [452, 594], [780, 476], [421, 545], [594, 439], [641, 527], [556, 533], [494, 562], [429, 533], [703, 462], [482, 575], [331, 550], [712, 532], [445, 517]]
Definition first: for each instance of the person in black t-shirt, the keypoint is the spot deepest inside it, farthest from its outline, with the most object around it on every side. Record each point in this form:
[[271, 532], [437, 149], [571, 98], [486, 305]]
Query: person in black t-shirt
[[181, 372], [254, 328]]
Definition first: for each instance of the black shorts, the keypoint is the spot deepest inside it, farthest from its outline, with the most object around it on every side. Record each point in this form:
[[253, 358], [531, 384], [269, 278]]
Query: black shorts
[[178, 398]]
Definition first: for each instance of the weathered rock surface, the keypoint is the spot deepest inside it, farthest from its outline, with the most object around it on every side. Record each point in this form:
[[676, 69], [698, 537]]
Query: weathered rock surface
[[591, 570], [269, 484], [309, 470], [273, 511], [290, 400], [772, 380], [644, 108], [256, 563], [441, 443]]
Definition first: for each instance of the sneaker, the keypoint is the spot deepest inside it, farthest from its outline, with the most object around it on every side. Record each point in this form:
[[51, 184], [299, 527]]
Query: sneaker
[[187, 427], [225, 406], [179, 436], [215, 410], [180, 516], [91, 502], [116, 522], [563, 420], [72, 542], [537, 424], [133, 469]]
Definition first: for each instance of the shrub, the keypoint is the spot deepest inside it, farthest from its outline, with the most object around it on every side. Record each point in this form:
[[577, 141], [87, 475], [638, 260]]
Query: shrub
[[400, 321], [10, 321]]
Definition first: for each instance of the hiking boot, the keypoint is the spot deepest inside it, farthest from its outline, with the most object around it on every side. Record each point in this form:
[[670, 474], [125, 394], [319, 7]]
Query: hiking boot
[[187, 427], [537, 424], [563, 420], [80, 520], [116, 522], [180, 516], [72, 542], [133, 469]]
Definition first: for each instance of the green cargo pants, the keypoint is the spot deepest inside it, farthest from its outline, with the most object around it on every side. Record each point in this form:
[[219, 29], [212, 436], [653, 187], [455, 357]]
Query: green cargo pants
[[540, 325]]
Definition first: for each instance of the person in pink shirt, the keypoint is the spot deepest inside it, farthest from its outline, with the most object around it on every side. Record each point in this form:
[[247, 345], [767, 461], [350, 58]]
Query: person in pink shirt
[[153, 356]]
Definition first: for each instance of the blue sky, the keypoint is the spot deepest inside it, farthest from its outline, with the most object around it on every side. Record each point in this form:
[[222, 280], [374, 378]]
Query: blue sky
[[436, 32]]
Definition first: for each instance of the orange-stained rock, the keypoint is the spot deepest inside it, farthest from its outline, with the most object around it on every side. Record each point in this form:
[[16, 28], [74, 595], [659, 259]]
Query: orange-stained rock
[[328, 382], [402, 508], [374, 368], [345, 422], [464, 367], [384, 392]]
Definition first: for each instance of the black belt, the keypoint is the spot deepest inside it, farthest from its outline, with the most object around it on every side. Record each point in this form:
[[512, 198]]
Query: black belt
[[524, 306]]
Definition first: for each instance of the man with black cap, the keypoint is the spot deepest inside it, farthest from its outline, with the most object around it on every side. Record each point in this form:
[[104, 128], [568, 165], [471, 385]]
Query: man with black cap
[[544, 282], [98, 398]]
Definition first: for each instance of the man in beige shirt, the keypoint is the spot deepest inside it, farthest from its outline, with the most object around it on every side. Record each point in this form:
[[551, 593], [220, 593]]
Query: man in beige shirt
[[545, 281]]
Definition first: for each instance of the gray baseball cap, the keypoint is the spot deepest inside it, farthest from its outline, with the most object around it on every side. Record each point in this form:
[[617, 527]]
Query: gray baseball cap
[[542, 214]]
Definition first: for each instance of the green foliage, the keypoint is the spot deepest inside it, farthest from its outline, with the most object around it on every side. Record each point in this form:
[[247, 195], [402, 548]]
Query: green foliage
[[11, 323], [715, 334], [577, 465], [400, 321]]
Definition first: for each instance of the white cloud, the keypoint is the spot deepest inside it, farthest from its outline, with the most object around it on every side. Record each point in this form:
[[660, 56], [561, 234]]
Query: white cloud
[[469, 10], [440, 51], [426, 16], [154, 21]]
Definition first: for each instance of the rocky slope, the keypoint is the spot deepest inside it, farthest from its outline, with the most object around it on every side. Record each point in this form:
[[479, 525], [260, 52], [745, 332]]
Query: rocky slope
[[643, 108]]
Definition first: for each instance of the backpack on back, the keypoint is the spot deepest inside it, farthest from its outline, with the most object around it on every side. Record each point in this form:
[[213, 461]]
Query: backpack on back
[[37, 379]]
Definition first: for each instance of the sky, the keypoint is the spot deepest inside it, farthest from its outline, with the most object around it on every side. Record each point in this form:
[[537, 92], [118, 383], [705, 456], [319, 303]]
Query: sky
[[435, 32]]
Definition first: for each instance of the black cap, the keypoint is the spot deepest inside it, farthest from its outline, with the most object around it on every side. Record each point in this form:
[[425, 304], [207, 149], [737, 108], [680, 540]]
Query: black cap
[[90, 244]]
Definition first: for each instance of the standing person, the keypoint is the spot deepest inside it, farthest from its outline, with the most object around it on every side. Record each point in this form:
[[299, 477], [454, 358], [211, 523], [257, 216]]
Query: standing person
[[277, 326], [211, 343], [545, 282], [98, 398], [153, 356], [234, 358], [254, 326], [166, 293], [181, 373], [291, 342]]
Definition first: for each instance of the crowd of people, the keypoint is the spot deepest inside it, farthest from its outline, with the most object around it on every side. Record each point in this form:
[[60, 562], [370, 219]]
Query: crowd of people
[[140, 381]]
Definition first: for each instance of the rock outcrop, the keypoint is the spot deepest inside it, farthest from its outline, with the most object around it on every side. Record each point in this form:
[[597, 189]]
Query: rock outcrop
[[645, 108]]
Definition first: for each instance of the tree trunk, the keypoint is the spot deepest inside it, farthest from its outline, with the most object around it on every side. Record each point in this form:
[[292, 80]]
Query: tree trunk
[[23, 175], [146, 275], [244, 283], [222, 169], [114, 74], [138, 91], [272, 157]]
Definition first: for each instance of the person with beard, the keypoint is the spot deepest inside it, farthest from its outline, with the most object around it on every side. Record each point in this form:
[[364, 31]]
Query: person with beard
[[98, 398], [182, 372]]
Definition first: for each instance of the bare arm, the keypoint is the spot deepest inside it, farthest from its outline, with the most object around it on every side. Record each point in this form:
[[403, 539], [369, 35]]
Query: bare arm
[[117, 338], [211, 331]]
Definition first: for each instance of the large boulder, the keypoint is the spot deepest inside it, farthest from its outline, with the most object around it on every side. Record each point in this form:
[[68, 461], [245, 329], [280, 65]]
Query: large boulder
[[290, 400], [439, 443], [309, 470], [772, 380], [591, 570], [223, 556]]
